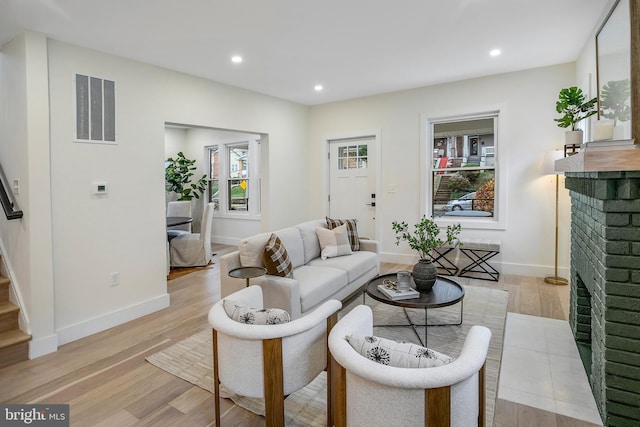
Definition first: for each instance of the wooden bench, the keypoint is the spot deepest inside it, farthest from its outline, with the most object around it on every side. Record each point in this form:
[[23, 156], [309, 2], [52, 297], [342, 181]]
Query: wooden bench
[[479, 251]]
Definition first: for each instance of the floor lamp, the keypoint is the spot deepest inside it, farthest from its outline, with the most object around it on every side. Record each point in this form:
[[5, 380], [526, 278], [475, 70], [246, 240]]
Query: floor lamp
[[548, 167]]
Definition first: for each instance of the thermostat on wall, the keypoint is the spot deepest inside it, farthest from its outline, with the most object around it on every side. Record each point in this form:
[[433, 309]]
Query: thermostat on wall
[[99, 187]]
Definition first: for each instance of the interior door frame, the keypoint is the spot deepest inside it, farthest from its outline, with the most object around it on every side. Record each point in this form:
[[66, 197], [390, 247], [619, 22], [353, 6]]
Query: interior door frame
[[375, 135]]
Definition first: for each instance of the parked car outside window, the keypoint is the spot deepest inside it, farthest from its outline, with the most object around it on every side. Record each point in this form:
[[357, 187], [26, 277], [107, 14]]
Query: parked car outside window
[[463, 203]]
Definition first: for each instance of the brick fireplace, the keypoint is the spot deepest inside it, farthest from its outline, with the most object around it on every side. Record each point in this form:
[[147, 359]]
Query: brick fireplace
[[605, 288]]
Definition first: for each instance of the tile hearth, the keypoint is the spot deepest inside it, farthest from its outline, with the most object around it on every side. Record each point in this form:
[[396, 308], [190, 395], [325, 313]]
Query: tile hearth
[[541, 368]]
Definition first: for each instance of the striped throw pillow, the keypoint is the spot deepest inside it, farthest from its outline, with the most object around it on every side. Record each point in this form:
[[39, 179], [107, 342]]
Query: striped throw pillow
[[352, 230], [275, 258]]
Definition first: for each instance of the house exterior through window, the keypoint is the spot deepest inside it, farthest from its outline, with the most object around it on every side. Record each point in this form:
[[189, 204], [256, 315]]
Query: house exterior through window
[[463, 167]]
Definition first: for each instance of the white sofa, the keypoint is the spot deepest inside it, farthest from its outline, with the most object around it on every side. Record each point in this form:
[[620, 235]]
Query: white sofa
[[314, 280]]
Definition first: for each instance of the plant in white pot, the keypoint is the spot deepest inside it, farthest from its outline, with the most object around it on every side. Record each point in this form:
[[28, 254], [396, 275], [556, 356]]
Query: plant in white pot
[[574, 108], [424, 239]]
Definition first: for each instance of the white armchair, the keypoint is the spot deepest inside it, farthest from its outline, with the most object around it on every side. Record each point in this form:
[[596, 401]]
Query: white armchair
[[249, 359], [193, 249], [366, 392]]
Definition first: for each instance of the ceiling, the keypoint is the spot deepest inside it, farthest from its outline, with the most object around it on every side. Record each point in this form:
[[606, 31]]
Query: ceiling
[[353, 48]]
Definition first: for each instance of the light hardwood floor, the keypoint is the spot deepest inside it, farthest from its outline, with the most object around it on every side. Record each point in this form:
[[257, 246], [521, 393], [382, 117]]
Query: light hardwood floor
[[107, 382]]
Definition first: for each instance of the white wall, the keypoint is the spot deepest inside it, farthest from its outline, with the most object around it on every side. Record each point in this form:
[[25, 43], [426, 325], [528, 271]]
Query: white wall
[[527, 101], [124, 230], [27, 243]]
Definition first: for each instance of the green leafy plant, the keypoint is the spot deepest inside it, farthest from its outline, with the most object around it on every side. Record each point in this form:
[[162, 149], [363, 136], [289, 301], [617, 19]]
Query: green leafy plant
[[571, 103], [425, 237], [178, 176], [614, 100]]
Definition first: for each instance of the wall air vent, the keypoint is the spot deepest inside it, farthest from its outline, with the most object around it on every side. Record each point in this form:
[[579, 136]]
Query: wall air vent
[[95, 109]]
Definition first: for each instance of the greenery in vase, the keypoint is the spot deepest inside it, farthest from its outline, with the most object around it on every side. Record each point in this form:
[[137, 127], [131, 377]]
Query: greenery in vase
[[614, 100], [178, 173], [571, 103], [425, 236]]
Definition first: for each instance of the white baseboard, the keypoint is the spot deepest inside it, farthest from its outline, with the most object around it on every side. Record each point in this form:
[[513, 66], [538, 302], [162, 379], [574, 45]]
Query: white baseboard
[[502, 267], [40, 347], [109, 320]]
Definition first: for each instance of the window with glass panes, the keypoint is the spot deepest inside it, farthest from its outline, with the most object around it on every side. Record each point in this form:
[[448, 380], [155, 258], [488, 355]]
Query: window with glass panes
[[233, 178], [463, 167], [352, 157], [238, 177]]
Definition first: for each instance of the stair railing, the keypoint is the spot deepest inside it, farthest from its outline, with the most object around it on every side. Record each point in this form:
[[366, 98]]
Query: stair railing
[[7, 200]]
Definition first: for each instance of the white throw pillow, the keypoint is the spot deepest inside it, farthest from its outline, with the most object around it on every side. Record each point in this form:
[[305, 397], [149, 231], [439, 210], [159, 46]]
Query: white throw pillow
[[334, 242], [252, 316], [397, 353]]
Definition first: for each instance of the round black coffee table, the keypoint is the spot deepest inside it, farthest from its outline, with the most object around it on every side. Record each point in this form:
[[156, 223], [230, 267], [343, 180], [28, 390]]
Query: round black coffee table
[[445, 292]]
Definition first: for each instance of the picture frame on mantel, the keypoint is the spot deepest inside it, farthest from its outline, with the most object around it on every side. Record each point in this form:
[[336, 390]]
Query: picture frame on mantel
[[617, 66]]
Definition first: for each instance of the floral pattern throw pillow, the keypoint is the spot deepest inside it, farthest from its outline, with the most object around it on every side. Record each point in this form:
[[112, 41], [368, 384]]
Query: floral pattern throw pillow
[[397, 353], [253, 316]]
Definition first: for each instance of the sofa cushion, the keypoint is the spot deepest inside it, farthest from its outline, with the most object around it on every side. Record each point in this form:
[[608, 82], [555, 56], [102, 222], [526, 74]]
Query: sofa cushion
[[310, 239], [276, 258], [291, 239], [334, 243], [251, 250], [318, 284], [253, 316], [352, 230], [397, 353], [355, 265]]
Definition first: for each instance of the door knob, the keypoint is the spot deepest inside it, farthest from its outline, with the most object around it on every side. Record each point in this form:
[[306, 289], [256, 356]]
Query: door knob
[[371, 204]]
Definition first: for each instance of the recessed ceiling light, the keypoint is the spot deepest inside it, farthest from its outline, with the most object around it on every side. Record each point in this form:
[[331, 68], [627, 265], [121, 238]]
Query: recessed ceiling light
[[236, 59], [318, 88], [495, 52]]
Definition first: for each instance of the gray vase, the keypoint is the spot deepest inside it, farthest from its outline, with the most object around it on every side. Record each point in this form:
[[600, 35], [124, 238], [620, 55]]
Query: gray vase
[[425, 275]]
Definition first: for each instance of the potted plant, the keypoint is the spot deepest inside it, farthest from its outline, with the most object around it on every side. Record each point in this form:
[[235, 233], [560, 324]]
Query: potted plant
[[424, 239], [177, 175], [571, 103]]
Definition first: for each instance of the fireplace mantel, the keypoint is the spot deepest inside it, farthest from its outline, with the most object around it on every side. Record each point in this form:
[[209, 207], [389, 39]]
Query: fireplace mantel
[[602, 158]]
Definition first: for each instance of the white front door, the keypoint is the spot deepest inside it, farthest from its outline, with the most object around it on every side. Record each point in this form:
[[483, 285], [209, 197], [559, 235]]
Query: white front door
[[352, 182]]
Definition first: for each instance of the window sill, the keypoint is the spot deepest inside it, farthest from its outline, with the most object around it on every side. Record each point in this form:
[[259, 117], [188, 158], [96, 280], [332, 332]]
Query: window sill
[[470, 222]]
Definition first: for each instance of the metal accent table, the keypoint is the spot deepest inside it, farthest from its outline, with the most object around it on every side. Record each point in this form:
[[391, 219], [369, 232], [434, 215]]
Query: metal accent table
[[445, 292], [247, 273]]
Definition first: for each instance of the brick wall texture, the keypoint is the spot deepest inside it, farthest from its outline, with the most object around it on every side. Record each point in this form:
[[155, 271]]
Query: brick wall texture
[[605, 287]]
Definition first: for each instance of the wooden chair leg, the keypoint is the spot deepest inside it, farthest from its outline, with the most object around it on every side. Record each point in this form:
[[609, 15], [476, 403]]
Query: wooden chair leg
[[437, 407], [272, 374], [482, 403], [331, 321], [339, 386], [216, 378]]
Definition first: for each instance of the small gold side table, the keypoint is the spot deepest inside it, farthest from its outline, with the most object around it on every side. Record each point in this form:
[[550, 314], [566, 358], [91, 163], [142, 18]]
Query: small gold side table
[[247, 273]]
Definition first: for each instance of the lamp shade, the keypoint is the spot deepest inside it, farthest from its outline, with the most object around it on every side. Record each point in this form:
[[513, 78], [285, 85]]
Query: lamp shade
[[549, 162]]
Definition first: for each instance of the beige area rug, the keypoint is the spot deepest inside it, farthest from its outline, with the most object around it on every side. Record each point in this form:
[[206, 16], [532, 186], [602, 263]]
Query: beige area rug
[[192, 359]]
